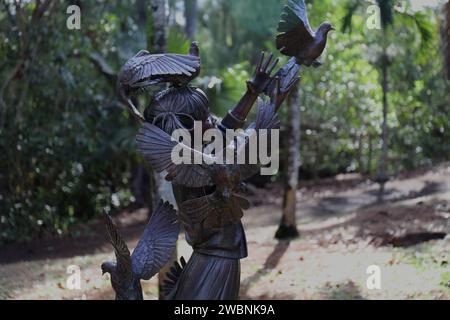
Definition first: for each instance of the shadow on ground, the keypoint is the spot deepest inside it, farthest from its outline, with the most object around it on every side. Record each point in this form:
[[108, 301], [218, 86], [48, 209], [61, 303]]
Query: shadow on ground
[[271, 262]]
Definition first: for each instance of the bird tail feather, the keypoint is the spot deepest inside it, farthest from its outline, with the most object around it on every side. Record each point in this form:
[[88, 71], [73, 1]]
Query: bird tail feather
[[170, 283]]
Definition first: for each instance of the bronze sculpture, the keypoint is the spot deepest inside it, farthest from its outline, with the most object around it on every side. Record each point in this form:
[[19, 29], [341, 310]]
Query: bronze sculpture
[[209, 196], [150, 255], [297, 39], [146, 69]]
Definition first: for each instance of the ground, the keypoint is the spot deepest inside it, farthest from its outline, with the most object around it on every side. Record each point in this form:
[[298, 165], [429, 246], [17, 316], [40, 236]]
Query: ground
[[343, 232]]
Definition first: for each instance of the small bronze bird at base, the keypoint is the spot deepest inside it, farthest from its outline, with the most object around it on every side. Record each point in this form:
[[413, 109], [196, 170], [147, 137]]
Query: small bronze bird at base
[[153, 251], [297, 39]]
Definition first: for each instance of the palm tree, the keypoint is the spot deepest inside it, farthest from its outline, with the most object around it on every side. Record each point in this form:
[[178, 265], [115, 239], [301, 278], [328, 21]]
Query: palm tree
[[389, 13]]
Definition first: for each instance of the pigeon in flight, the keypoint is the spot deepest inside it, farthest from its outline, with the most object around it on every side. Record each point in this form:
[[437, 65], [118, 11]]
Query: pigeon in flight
[[224, 206], [146, 69], [151, 253], [297, 39]]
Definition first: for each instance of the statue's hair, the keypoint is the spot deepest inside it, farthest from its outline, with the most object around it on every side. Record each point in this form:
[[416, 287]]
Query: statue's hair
[[179, 100]]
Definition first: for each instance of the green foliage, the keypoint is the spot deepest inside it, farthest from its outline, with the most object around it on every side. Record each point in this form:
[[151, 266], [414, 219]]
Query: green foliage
[[234, 31], [224, 92], [177, 42], [66, 142], [417, 85]]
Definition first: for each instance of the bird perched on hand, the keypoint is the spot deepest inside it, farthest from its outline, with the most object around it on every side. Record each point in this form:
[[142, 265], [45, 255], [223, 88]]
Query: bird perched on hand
[[224, 206], [297, 39], [152, 252], [146, 69]]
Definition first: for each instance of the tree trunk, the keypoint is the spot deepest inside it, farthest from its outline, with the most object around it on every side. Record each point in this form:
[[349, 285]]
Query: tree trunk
[[171, 20], [288, 226], [360, 153], [382, 178], [163, 187], [369, 157], [141, 186], [446, 38], [159, 19], [141, 8], [190, 13]]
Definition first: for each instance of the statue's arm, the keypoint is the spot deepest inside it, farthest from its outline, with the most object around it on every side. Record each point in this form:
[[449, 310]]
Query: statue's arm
[[236, 117], [277, 88]]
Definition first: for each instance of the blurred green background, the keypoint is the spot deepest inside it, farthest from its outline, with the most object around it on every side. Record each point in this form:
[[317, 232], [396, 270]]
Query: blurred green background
[[67, 144]]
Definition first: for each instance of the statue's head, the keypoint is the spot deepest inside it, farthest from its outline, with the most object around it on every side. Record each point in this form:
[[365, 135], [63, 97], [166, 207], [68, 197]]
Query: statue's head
[[178, 108]]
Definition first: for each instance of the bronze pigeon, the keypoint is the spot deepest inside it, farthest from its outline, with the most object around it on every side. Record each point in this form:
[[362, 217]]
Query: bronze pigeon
[[146, 69], [156, 146], [297, 39], [151, 253]]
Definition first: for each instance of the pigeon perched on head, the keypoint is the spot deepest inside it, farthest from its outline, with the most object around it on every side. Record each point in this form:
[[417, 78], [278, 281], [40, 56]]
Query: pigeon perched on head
[[146, 69], [152, 252], [297, 39]]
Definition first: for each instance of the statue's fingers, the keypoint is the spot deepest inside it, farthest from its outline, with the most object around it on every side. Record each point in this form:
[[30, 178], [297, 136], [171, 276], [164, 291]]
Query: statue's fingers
[[273, 66], [261, 59], [277, 84], [266, 65]]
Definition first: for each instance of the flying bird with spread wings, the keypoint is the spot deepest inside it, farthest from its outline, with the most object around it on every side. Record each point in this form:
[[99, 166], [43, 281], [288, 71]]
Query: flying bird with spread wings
[[146, 69], [297, 39], [153, 251], [224, 206]]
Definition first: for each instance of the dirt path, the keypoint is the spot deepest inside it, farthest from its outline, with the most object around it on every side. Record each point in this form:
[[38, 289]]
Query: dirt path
[[343, 232]]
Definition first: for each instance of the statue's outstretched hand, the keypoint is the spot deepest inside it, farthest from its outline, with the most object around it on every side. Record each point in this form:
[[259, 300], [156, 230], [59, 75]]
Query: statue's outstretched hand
[[284, 81], [261, 77]]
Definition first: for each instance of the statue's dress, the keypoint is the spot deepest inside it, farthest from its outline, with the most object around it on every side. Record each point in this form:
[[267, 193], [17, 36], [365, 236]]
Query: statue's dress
[[213, 271]]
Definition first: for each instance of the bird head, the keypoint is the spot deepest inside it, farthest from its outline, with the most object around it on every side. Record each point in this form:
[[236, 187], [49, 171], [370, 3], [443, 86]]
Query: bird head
[[108, 267], [194, 49], [325, 28], [111, 268], [123, 288]]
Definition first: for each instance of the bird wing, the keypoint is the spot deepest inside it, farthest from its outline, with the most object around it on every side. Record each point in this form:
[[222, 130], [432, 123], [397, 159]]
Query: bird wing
[[212, 211], [157, 146], [144, 66], [172, 277], [294, 29], [157, 243], [122, 253], [266, 118]]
